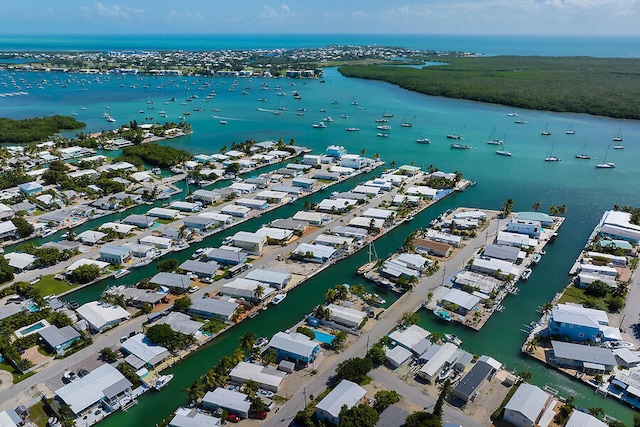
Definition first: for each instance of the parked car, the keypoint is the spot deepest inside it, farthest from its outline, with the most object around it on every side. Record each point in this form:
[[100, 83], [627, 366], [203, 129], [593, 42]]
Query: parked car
[[194, 289], [82, 372], [262, 415], [233, 418]]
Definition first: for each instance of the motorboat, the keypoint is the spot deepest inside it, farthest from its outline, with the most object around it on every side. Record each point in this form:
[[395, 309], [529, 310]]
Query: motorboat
[[278, 298], [526, 274], [383, 127], [536, 258], [320, 125], [608, 165], [504, 153], [461, 147], [423, 141], [120, 273], [454, 136], [383, 134], [512, 114], [162, 381], [442, 314], [453, 339], [352, 129]]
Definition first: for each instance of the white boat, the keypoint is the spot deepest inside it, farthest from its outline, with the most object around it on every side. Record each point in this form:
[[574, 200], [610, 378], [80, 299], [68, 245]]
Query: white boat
[[581, 154], [120, 273], [550, 157], [512, 114], [278, 299], [453, 135], [320, 125], [461, 147], [383, 135], [605, 164], [223, 122], [423, 141], [156, 171], [546, 131], [570, 130], [504, 153], [48, 232], [162, 381], [352, 129], [526, 274], [383, 127], [444, 374], [618, 147], [143, 262], [618, 136], [453, 339], [492, 140]]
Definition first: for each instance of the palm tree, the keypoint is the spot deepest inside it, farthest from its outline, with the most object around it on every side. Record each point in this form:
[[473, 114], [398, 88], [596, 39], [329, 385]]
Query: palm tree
[[195, 391], [247, 341], [536, 206], [341, 292], [258, 292], [225, 365], [562, 209], [546, 307], [237, 357], [363, 151]]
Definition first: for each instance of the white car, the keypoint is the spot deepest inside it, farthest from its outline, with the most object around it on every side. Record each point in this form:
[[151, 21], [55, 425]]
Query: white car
[[194, 289]]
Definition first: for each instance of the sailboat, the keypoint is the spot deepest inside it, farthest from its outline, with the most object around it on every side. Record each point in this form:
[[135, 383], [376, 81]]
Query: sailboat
[[503, 151], [492, 138], [570, 130], [422, 140], [406, 124], [550, 157], [618, 136], [605, 164], [546, 131], [581, 155]]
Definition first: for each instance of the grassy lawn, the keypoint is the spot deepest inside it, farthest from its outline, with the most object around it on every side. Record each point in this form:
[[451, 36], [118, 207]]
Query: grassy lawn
[[573, 294], [50, 286], [17, 377], [37, 414]]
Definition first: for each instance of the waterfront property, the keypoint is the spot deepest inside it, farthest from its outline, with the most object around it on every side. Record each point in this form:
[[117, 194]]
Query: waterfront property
[[617, 225], [409, 338], [209, 308], [579, 324], [59, 339], [140, 348], [231, 401], [583, 358], [100, 316], [246, 289], [442, 358], [468, 386], [530, 406], [295, 347], [346, 393], [115, 255], [346, 316], [266, 377], [178, 283], [104, 385]]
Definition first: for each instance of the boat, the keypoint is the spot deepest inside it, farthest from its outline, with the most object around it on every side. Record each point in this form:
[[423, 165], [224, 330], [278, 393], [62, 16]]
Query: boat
[[618, 136], [550, 157], [383, 134], [618, 344], [261, 342], [492, 140], [453, 339], [512, 114], [223, 122], [525, 274], [162, 381], [278, 298], [605, 164], [111, 119], [618, 147], [521, 122], [327, 119], [423, 141], [120, 273], [536, 258], [143, 262], [546, 131], [387, 115], [352, 129], [570, 130], [320, 125], [453, 135], [345, 116], [383, 127], [461, 146], [581, 155], [156, 171], [382, 121], [504, 153], [444, 374], [406, 124], [48, 232], [442, 314]]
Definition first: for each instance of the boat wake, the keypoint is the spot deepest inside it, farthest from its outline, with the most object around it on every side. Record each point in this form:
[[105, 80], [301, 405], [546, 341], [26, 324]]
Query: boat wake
[[226, 118]]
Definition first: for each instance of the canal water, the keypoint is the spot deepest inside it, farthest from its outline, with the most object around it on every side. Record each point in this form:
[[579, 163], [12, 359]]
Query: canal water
[[525, 177]]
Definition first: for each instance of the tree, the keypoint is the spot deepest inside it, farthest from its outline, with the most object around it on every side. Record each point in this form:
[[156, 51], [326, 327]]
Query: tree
[[636, 420], [108, 355], [247, 341], [445, 389], [597, 412], [409, 318], [508, 207], [597, 288], [377, 354], [384, 399], [354, 369], [536, 206], [84, 274], [258, 292], [195, 391], [182, 304], [168, 265], [422, 419], [161, 334], [358, 416], [59, 319], [269, 356], [525, 375], [23, 227], [237, 357]]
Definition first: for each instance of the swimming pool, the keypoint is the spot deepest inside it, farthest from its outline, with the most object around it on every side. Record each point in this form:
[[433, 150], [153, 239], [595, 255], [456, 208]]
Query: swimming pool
[[323, 337], [33, 307], [31, 329]]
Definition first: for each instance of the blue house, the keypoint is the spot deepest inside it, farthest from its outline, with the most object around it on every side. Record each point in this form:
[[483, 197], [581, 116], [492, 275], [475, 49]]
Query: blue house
[[59, 339], [30, 188], [295, 347], [578, 324]]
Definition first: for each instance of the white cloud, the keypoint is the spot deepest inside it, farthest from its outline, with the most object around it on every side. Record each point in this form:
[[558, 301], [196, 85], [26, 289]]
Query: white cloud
[[113, 11], [184, 15], [269, 13]]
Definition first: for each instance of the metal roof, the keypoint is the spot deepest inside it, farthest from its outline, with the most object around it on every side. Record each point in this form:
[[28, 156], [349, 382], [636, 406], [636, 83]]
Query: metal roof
[[55, 336], [294, 343], [528, 401], [346, 393], [208, 268], [583, 353], [171, 280], [215, 307], [140, 345]]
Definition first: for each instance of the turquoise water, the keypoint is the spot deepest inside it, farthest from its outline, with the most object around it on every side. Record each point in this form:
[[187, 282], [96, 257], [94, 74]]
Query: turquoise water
[[32, 328], [525, 177], [323, 337]]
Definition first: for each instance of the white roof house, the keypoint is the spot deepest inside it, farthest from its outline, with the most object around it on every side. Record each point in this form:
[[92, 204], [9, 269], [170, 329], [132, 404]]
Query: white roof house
[[366, 189], [444, 238], [294, 346], [172, 280], [20, 260], [275, 233], [117, 227], [462, 299], [235, 210], [140, 346], [581, 419], [84, 261], [158, 242], [314, 253], [210, 307], [618, 224], [409, 337], [492, 265], [363, 222], [101, 316], [379, 213], [530, 406], [245, 288], [515, 239], [422, 190], [233, 401], [438, 361], [315, 218], [346, 316], [397, 356], [163, 213], [276, 277], [91, 237], [104, 383], [328, 205], [267, 378], [185, 417], [346, 393]]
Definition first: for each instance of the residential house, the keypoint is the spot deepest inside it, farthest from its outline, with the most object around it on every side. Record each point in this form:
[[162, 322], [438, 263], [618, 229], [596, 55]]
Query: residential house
[[294, 346], [210, 308], [115, 255], [530, 407], [346, 393]]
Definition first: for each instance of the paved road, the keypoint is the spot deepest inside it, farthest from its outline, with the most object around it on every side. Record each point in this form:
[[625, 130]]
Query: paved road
[[389, 319]]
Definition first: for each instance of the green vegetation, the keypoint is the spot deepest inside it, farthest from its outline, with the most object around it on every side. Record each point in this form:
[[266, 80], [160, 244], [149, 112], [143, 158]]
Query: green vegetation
[[354, 369], [598, 86], [107, 355], [84, 274], [165, 336], [597, 295], [635, 213], [384, 399], [35, 129], [157, 155]]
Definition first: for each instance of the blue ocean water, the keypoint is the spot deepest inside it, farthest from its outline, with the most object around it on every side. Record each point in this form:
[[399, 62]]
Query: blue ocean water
[[615, 47]]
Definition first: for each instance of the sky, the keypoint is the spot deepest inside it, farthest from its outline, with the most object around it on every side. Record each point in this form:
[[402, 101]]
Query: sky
[[490, 17]]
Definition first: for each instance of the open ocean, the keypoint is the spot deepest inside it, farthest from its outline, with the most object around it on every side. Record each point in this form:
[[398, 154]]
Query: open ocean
[[614, 47], [525, 177]]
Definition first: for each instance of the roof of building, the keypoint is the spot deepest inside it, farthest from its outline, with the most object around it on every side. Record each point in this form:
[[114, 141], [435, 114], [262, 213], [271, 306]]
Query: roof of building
[[191, 418], [294, 343], [340, 313], [409, 336], [318, 251], [99, 315], [231, 400], [143, 348], [55, 336], [583, 353], [274, 233], [473, 379], [172, 280], [290, 224], [461, 298], [114, 250], [214, 306], [182, 323], [393, 416], [346, 393], [93, 387], [398, 355], [581, 419], [529, 401], [20, 260], [246, 236], [194, 266], [276, 276], [258, 373], [510, 253]]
